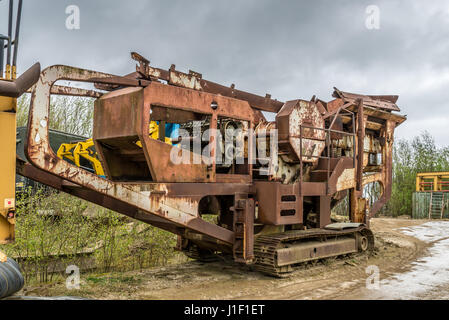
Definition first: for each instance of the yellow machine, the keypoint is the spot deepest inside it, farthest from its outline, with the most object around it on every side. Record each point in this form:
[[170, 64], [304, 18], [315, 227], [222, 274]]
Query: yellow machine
[[8, 107], [431, 199], [7, 167], [432, 181], [11, 280], [154, 133], [65, 151], [83, 149]]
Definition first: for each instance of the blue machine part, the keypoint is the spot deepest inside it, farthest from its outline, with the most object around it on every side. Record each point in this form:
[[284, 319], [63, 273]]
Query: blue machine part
[[172, 130]]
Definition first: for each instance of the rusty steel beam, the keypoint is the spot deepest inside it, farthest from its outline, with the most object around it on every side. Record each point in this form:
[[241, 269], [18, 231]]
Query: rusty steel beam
[[387, 183], [360, 143], [27, 170], [18, 87], [120, 81], [194, 81], [72, 91]]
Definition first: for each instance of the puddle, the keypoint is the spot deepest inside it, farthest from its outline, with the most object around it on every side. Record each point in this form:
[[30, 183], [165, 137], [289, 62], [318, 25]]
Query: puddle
[[429, 276]]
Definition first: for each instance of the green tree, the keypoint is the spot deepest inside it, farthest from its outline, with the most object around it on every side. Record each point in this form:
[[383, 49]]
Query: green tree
[[421, 154]]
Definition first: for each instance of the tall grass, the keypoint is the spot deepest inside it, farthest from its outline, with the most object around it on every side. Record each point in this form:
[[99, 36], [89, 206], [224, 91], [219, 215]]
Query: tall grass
[[55, 230]]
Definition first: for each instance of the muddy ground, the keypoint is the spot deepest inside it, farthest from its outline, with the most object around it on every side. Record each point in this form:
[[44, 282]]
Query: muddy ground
[[339, 278]]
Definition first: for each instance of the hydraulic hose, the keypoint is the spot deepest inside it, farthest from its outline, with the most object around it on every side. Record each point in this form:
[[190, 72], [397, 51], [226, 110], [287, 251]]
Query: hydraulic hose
[[11, 279]]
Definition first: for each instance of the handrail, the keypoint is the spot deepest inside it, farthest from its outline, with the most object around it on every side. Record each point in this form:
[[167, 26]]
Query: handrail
[[328, 140]]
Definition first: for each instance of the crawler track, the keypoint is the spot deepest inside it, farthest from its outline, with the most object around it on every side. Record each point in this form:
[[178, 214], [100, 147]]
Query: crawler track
[[266, 246]]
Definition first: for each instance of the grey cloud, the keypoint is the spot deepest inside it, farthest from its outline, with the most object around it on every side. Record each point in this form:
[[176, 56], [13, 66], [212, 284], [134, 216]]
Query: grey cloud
[[291, 49]]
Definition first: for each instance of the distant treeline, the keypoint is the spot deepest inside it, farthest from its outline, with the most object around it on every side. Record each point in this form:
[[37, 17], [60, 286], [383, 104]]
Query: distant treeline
[[420, 154]]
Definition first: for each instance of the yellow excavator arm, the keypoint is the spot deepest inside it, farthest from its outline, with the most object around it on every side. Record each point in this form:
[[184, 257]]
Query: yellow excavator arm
[[66, 151], [84, 149]]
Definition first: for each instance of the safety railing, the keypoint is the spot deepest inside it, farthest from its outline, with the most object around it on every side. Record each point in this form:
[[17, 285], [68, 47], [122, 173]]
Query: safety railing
[[329, 146]]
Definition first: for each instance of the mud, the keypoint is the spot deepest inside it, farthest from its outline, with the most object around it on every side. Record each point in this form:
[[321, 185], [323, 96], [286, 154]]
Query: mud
[[328, 279], [428, 277], [397, 251]]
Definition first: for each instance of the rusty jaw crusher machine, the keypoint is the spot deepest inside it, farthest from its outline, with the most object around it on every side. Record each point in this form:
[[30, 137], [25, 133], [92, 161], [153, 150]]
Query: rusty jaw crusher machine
[[273, 207]]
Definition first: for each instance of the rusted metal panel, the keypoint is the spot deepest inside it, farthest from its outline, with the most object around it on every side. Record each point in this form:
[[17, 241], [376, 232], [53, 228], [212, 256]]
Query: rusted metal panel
[[158, 94], [373, 177], [315, 250], [115, 132], [334, 105], [313, 189], [295, 141], [189, 81], [343, 176], [324, 209], [382, 102], [371, 144], [120, 81], [278, 204], [380, 114]]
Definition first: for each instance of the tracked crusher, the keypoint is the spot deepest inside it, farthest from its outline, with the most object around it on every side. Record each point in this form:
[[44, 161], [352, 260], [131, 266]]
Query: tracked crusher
[[268, 204]]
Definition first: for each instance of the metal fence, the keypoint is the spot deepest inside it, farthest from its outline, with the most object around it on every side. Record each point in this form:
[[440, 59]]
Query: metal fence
[[422, 209]]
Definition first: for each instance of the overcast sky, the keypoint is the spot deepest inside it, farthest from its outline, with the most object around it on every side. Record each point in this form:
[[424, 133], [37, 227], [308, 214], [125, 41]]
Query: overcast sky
[[290, 49]]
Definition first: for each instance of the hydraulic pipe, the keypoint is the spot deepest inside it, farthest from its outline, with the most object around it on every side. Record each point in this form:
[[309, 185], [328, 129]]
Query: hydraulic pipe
[[16, 37], [16, 88], [2, 53], [8, 54]]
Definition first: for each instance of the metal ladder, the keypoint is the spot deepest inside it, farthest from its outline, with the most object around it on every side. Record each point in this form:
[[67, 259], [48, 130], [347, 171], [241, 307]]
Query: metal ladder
[[436, 208]]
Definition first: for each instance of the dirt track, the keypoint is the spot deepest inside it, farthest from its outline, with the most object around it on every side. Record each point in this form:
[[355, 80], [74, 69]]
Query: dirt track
[[331, 279]]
